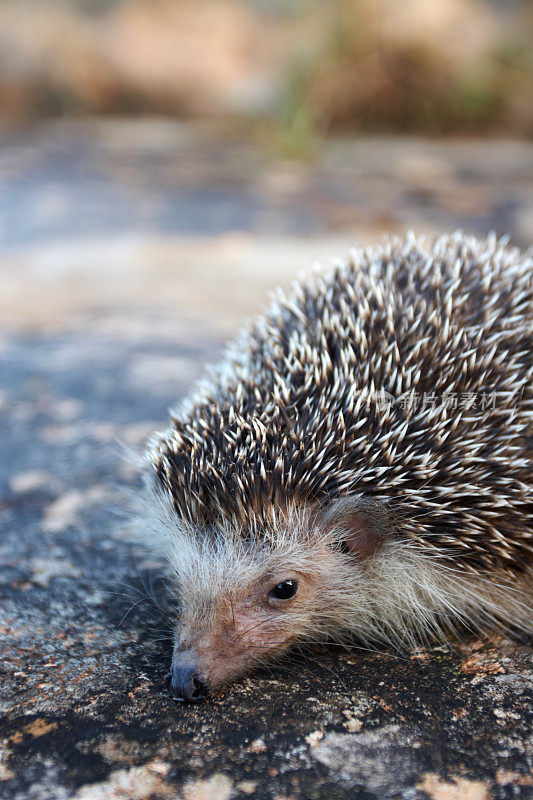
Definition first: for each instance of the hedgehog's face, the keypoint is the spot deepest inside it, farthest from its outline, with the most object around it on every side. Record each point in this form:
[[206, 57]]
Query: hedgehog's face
[[243, 603], [221, 637]]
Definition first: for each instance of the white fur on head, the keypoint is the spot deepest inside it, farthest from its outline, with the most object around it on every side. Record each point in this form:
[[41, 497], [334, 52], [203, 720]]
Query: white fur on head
[[402, 594]]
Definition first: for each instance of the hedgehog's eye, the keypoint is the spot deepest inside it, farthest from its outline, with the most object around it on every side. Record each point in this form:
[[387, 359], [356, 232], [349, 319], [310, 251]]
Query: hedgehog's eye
[[284, 590]]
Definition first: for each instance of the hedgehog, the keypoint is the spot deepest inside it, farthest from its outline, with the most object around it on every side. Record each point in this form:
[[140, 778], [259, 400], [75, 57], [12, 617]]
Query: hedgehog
[[358, 468]]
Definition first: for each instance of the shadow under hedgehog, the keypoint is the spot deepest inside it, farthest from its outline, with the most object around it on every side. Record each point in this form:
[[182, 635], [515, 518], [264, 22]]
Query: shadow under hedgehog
[[358, 467]]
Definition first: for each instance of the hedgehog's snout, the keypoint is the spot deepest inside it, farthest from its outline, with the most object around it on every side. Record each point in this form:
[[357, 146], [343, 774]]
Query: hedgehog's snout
[[185, 683]]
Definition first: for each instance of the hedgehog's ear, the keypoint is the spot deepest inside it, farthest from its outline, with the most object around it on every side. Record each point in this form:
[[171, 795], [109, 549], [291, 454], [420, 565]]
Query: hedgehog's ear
[[360, 525]]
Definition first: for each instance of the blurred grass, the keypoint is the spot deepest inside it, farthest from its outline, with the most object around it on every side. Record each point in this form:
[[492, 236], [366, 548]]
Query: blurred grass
[[294, 72], [361, 77]]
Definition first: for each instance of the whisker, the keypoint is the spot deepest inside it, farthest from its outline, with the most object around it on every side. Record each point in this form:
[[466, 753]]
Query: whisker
[[141, 600]]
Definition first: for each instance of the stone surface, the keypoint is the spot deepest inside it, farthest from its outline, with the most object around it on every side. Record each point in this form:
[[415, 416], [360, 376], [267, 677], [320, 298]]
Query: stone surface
[[95, 343]]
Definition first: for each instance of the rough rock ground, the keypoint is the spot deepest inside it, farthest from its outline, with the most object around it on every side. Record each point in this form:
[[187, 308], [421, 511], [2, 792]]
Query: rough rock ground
[[127, 259]]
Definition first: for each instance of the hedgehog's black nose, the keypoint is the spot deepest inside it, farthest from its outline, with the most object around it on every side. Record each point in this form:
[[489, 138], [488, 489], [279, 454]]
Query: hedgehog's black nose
[[185, 684]]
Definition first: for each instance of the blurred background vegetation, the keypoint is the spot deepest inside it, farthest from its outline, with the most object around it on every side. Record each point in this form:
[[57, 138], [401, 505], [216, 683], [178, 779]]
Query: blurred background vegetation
[[292, 70], [231, 142]]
